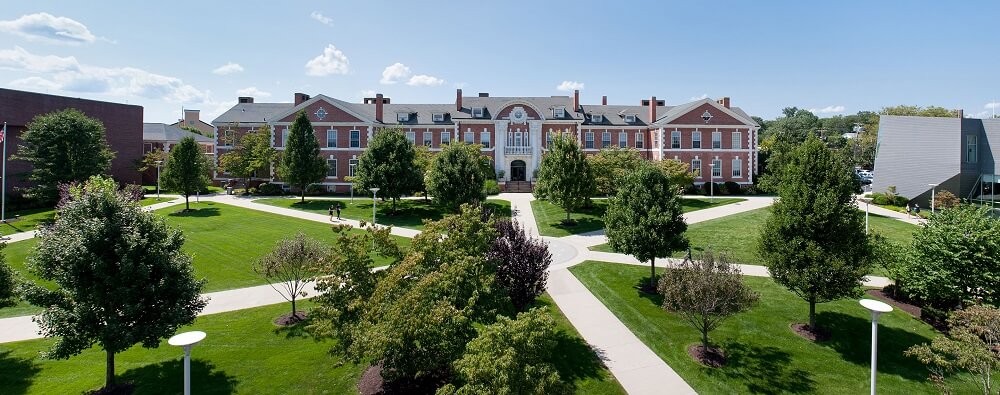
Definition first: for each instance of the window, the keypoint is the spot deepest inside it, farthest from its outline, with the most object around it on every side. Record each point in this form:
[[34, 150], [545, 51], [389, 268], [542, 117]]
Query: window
[[428, 139], [469, 138], [477, 112], [696, 140], [737, 140], [737, 168], [675, 139], [971, 148], [605, 139], [716, 140], [716, 168], [331, 170], [640, 140], [227, 137], [284, 138], [355, 139], [548, 138], [596, 118], [445, 138], [147, 147], [517, 138], [622, 139], [437, 117], [696, 168], [402, 117], [559, 112], [411, 137], [484, 139], [331, 138], [589, 140], [352, 167], [630, 118]]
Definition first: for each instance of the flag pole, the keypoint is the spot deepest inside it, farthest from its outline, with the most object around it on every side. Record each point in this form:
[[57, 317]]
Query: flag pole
[[3, 193]]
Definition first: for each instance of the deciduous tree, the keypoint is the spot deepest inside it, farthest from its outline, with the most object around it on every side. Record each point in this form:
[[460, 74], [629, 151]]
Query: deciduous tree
[[972, 345], [119, 276], [457, 177], [611, 165], [250, 156], [564, 176], [677, 172], [388, 164], [522, 263], [301, 163], [8, 284], [290, 266], [187, 169]]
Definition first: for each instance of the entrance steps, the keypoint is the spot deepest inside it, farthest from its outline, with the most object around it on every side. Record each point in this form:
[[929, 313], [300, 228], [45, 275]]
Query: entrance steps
[[518, 187]]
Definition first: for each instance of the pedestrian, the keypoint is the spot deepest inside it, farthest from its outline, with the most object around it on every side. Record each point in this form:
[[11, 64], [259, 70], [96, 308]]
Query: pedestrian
[[916, 210], [330, 211], [338, 211], [908, 210]]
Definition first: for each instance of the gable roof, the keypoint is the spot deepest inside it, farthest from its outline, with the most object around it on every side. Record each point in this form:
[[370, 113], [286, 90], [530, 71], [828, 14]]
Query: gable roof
[[251, 113], [169, 133], [350, 108], [677, 111]]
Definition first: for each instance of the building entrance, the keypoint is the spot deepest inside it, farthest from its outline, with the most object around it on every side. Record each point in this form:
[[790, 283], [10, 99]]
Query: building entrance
[[517, 170]]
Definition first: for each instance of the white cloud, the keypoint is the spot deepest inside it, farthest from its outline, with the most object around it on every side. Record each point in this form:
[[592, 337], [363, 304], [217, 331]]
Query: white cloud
[[20, 59], [315, 15], [367, 93], [460, 85], [228, 68], [332, 61], [395, 73], [992, 105], [252, 92], [424, 80], [702, 97], [49, 28], [570, 86], [827, 110]]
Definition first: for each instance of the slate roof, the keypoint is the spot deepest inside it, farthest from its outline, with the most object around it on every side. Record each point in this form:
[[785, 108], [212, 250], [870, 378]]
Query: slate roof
[[251, 113], [169, 133]]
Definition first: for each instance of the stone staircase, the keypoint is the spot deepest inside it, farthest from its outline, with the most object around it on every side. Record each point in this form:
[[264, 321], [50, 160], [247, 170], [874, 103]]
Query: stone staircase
[[518, 187]]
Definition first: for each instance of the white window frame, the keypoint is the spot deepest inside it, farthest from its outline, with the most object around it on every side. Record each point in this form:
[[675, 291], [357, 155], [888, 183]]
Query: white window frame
[[559, 112], [716, 168], [606, 139], [445, 139], [284, 137], [596, 118], [695, 138], [696, 168], [630, 118], [402, 117], [411, 136], [588, 140], [716, 140], [675, 139], [737, 168], [971, 148], [737, 142], [548, 138], [331, 168], [355, 133], [640, 140], [227, 138], [622, 139], [331, 132], [428, 138], [484, 139], [478, 112], [469, 137], [437, 117]]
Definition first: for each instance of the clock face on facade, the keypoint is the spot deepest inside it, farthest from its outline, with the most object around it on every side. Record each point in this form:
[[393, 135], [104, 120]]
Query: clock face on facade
[[518, 115]]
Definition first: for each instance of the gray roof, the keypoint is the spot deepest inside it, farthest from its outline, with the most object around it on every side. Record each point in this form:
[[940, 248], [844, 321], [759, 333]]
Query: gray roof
[[251, 113], [614, 115], [169, 133]]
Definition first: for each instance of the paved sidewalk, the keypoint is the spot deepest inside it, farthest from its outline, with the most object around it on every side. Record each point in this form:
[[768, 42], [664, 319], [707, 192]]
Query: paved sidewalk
[[873, 209], [22, 236]]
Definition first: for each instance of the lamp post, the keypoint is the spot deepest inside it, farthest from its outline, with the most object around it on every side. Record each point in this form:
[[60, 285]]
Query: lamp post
[[711, 181], [158, 164], [187, 340], [374, 202], [933, 190], [867, 202], [877, 308]]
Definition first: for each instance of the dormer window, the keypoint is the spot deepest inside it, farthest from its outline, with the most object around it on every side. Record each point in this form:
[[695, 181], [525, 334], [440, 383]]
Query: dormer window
[[630, 118], [477, 112], [437, 117], [559, 112], [402, 117], [596, 118]]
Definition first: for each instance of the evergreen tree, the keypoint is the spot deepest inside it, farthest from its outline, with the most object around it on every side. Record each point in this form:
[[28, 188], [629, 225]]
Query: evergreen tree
[[388, 164], [564, 176], [301, 163], [186, 170]]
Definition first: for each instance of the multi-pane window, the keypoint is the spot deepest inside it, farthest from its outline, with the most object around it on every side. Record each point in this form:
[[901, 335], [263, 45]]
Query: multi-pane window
[[605, 139], [331, 138], [352, 167], [622, 139], [445, 138], [331, 170], [227, 137], [411, 137], [470, 138], [548, 138], [437, 117], [737, 140], [716, 140], [147, 147], [558, 112], [640, 140], [589, 140], [971, 148], [737, 168], [355, 139], [675, 139], [716, 168], [696, 168], [284, 138], [696, 140], [484, 139], [477, 112], [428, 139]]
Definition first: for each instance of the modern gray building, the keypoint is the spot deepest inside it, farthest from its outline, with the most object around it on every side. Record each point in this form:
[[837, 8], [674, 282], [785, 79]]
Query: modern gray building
[[956, 154]]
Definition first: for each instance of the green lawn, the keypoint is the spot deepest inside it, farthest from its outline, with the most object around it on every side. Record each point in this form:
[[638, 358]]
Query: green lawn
[[224, 240], [549, 216], [27, 220], [411, 212], [737, 234], [764, 355], [575, 360], [151, 200], [151, 190]]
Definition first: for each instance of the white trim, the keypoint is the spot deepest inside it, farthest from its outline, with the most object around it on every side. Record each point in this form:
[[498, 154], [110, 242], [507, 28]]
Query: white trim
[[333, 102]]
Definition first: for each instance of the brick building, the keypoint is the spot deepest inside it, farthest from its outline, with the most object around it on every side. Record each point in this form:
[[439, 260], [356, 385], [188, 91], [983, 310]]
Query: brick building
[[192, 119], [160, 136], [122, 123], [514, 131]]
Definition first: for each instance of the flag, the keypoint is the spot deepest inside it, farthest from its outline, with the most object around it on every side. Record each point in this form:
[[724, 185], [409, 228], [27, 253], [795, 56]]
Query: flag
[[3, 133]]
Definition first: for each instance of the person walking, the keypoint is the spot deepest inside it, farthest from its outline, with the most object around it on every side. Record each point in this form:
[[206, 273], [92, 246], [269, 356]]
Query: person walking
[[916, 210], [338, 211], [330, 211], [908, 210]]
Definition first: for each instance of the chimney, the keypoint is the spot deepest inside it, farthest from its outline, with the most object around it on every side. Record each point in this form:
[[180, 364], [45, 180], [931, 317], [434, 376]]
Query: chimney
[[245, 99], [300, 98], [576, 100], [961, 113], [378, 107], [604, 100], [484, 94], [652, 108], [724, 101], [191, 117], [458, 100]]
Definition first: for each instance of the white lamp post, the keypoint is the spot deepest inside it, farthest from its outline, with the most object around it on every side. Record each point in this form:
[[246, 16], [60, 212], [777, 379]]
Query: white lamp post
[[711, 181], [187, 340], [877, 308], [933, 190], [158, 164], [867, 202], [374, 202]]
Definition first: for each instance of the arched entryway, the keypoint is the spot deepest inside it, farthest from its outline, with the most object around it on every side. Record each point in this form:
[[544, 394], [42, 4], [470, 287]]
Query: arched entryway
[[518, 170]]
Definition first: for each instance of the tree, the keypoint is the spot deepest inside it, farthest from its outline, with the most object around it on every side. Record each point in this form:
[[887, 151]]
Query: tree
[[784, 134], [63, 146], [955, 259], [301, 163], [148, 161], [457, 176], [945, 199], [8, 283], [705, 292], [677, 172], [187, 169], [610, 165], [119, 273], [645, 218], [388, 164], [564, 176], [972, 345], [815, 242], [251, 155], [291, 265], [511, 356], [522, 263], [423, 160]]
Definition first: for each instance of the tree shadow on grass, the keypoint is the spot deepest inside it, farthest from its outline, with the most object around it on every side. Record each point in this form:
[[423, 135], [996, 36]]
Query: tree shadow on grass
[[168, 378], [643, 284], [851, 337], [580, 225], [16, 374], [575, 360], [197, 213], [297, 330], [764, 370]]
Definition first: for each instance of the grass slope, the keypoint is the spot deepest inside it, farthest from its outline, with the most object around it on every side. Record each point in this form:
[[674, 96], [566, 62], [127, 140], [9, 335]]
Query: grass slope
[[764, 355], [575, 360], [411, 212], [549, 216]]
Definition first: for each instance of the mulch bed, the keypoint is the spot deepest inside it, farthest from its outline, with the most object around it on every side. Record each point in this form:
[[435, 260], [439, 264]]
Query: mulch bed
[[885, 297], [806, 332], [711, 357], [126, 388], [289, 319]]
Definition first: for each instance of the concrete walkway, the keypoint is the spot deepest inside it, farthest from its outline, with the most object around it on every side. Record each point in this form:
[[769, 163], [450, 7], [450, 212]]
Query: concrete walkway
[[873, 209]]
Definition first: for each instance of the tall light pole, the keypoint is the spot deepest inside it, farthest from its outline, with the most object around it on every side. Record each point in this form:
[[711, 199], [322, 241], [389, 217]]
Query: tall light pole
[[867, 202], [158, 164], [374, 202], [187, 340], [877, 308], [711, 181], [933, 190]]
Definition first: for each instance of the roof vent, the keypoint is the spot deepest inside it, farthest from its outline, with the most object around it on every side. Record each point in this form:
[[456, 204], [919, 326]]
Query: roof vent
[[484, 94], [245, 99]]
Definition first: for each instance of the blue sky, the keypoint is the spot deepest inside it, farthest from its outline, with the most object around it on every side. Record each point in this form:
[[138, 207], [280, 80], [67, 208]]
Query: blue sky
[[835, 57]]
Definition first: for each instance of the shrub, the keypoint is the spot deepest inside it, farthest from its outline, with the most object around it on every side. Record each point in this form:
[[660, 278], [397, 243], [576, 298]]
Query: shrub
[[315, 189], [945, 199], [491, 187], [269, 189], [733, 188]]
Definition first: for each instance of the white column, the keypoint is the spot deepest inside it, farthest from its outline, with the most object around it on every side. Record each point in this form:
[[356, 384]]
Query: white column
[[500, 135], [535, 133]]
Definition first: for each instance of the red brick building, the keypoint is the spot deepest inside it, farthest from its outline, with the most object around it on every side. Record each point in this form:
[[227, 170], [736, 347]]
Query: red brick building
[[122, 123], [514, 131]]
